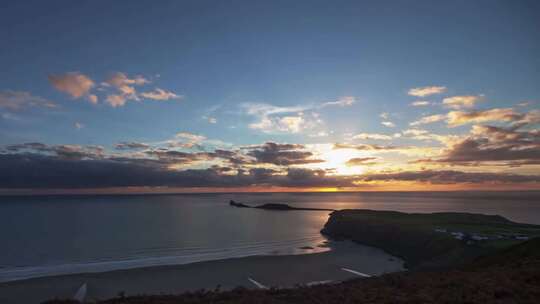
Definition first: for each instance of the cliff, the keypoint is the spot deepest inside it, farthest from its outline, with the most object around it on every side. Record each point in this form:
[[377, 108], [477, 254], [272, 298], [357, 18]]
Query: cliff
[[429, 240]]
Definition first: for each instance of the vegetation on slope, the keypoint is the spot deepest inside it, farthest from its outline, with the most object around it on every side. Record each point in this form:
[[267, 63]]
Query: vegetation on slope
[[429, 240]]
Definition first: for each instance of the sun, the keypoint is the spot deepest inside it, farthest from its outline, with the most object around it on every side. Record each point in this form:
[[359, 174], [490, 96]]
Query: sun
[[337, 159]]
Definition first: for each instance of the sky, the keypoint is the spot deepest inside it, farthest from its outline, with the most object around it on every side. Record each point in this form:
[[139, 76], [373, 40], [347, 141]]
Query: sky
[[197, 96]]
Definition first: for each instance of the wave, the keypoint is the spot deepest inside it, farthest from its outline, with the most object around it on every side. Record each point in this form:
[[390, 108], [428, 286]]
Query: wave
[[148, 257]]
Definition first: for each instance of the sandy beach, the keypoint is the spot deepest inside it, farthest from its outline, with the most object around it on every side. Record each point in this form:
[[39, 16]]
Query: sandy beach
[[271, 271]]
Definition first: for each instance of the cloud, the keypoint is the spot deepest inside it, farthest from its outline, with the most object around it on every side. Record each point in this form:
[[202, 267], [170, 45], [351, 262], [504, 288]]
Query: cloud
[[290, 119], [270, 123], [532, 117], [451, 177], [405, 150], [264, 109], [38, 171], [490, 144], [119, 88], [212, 120], [300, 177], [291, 124], [375, 136], [116, 100], [426, 91], [366, 147], [28, 146], [131, 145], [420, 134], [386, 117], [125, 90], [78, 152], [45, 171], [173, 157], [287, 124], [458, 118], [195, 138], [361, 161], [159, 94], [459, 102], [74, 84], [19, 100], [93, 99], [281, 154], [235, 158], [60, 151], [210, 114], [120, 80], [275, 119], [428, 119], [38, 165], [319, 134], [342, 102], [420, 103], [186, 140], [388, 124], [415, 132], [125, 87]]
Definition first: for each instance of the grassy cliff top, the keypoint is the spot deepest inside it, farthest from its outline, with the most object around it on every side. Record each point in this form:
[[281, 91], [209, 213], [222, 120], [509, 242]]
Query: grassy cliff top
[[429, 239], [471, 223]]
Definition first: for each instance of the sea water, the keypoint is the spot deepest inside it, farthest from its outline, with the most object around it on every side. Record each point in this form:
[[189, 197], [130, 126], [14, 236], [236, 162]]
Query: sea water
[[52, 235]]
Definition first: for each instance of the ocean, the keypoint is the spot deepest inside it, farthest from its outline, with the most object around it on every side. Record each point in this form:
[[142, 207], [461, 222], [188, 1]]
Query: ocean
[[52, 235]]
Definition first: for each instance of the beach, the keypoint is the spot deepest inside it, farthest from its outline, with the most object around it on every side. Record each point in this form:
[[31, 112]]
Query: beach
[[269, 271]]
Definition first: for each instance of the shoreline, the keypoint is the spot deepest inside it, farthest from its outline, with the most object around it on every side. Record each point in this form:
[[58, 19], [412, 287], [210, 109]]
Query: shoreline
[[307, 245], [271, 271]]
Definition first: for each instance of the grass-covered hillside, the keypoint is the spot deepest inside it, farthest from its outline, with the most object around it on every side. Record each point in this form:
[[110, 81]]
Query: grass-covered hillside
[[429, 240]]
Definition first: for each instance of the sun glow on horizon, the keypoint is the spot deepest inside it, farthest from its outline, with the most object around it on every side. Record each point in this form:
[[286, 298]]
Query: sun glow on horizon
[[337, 159]]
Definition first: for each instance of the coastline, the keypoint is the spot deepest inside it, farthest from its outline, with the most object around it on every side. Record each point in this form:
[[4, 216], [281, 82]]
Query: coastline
[[271, 271], [306, 245]]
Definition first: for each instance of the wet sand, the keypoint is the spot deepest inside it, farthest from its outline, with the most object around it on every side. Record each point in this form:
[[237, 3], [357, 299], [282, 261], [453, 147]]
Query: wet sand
[[272, 271]]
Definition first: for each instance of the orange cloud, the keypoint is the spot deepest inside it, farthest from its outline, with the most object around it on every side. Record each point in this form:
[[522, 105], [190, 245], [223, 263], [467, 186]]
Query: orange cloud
[[159, 94], [74, 84], [18, 100], [458, 118], [428, 119], [458, 102]]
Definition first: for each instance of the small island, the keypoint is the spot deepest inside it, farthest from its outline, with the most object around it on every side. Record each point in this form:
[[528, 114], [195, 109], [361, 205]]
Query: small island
[[274, 206]]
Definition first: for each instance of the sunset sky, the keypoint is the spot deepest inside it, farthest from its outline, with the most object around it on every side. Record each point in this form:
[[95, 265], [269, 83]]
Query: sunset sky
[[166, 96]]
